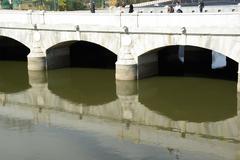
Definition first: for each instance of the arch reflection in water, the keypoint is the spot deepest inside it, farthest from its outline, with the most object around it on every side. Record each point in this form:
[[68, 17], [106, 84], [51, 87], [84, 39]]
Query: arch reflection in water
[[188, 98], [13, 76], [130, 118], [86, 86]]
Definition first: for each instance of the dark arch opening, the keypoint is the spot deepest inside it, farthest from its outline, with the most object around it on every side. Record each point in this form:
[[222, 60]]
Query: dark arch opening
[[11, 49], [187, 61], [86, 54], [13, 66], [80, 54], [188, 88], [87, 76]]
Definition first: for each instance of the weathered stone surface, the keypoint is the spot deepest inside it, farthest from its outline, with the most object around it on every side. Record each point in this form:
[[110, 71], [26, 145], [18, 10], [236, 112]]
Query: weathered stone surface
[[126, 72], [36, 63], [126, 35]]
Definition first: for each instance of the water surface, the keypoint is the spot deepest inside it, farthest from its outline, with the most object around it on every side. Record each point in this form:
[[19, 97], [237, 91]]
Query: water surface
[[85, 114]]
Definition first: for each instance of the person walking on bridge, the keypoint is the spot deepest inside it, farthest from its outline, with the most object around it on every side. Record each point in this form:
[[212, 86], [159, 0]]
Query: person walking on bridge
[[170, 9], [92, 7], [178, 7], [130, 8], [201, 5]]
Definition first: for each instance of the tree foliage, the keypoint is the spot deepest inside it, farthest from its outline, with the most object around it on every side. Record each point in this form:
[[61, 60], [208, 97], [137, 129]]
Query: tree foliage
[[75, 5], [62, 5], [5, 4]]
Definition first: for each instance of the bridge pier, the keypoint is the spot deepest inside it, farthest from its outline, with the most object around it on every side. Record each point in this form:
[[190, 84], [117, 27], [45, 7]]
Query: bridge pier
[[238, 104], [37, 78], [126, 66], [36, 58], [126, 88], [238, 82], [127, 93], [36, 63]]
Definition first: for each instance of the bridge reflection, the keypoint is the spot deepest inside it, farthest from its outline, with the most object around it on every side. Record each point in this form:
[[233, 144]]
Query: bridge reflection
[[83, 86], [190, 99], [131, 115], [10, 81]]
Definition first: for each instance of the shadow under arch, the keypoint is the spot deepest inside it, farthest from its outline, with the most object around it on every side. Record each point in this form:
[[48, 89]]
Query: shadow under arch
[[82, 54], [87, 54], [84, 86], [189, 98], [88, 75], [184, 61], [13, 65], [11, 49]]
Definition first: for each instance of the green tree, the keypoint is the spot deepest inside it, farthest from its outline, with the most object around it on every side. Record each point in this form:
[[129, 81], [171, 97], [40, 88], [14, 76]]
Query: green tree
[[75, 5], [62, 5], [5, 4]]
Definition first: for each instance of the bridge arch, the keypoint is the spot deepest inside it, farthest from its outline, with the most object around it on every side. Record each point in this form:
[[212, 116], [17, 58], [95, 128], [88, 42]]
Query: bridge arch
[[22, 37], [79, 54], [12, 49], [228, 46], [187, 59], [102, 39]]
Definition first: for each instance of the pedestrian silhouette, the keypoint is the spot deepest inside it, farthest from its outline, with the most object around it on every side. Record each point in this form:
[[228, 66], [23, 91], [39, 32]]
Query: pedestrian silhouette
[[92, 7], [170, 9], [201, 5], [130, 8]]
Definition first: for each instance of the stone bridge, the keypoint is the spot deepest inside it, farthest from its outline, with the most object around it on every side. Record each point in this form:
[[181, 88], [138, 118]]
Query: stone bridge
[[132, 37]]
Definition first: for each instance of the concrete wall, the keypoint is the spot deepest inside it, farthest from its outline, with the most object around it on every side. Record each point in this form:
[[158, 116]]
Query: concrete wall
[[147, 65], [58, 58]]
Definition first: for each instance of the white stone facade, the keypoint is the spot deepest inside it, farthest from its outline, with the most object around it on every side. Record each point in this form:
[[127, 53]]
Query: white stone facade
[[40, 31]]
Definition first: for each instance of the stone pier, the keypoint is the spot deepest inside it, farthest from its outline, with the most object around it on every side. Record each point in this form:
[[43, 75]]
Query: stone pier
[[126, 65], [238, 82], [37, 57]]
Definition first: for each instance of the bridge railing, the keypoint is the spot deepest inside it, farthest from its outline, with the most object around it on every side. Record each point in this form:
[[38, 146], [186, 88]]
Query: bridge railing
[[15, 16], [100, 19], [189, 9], [135, 20], [188, 20]]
